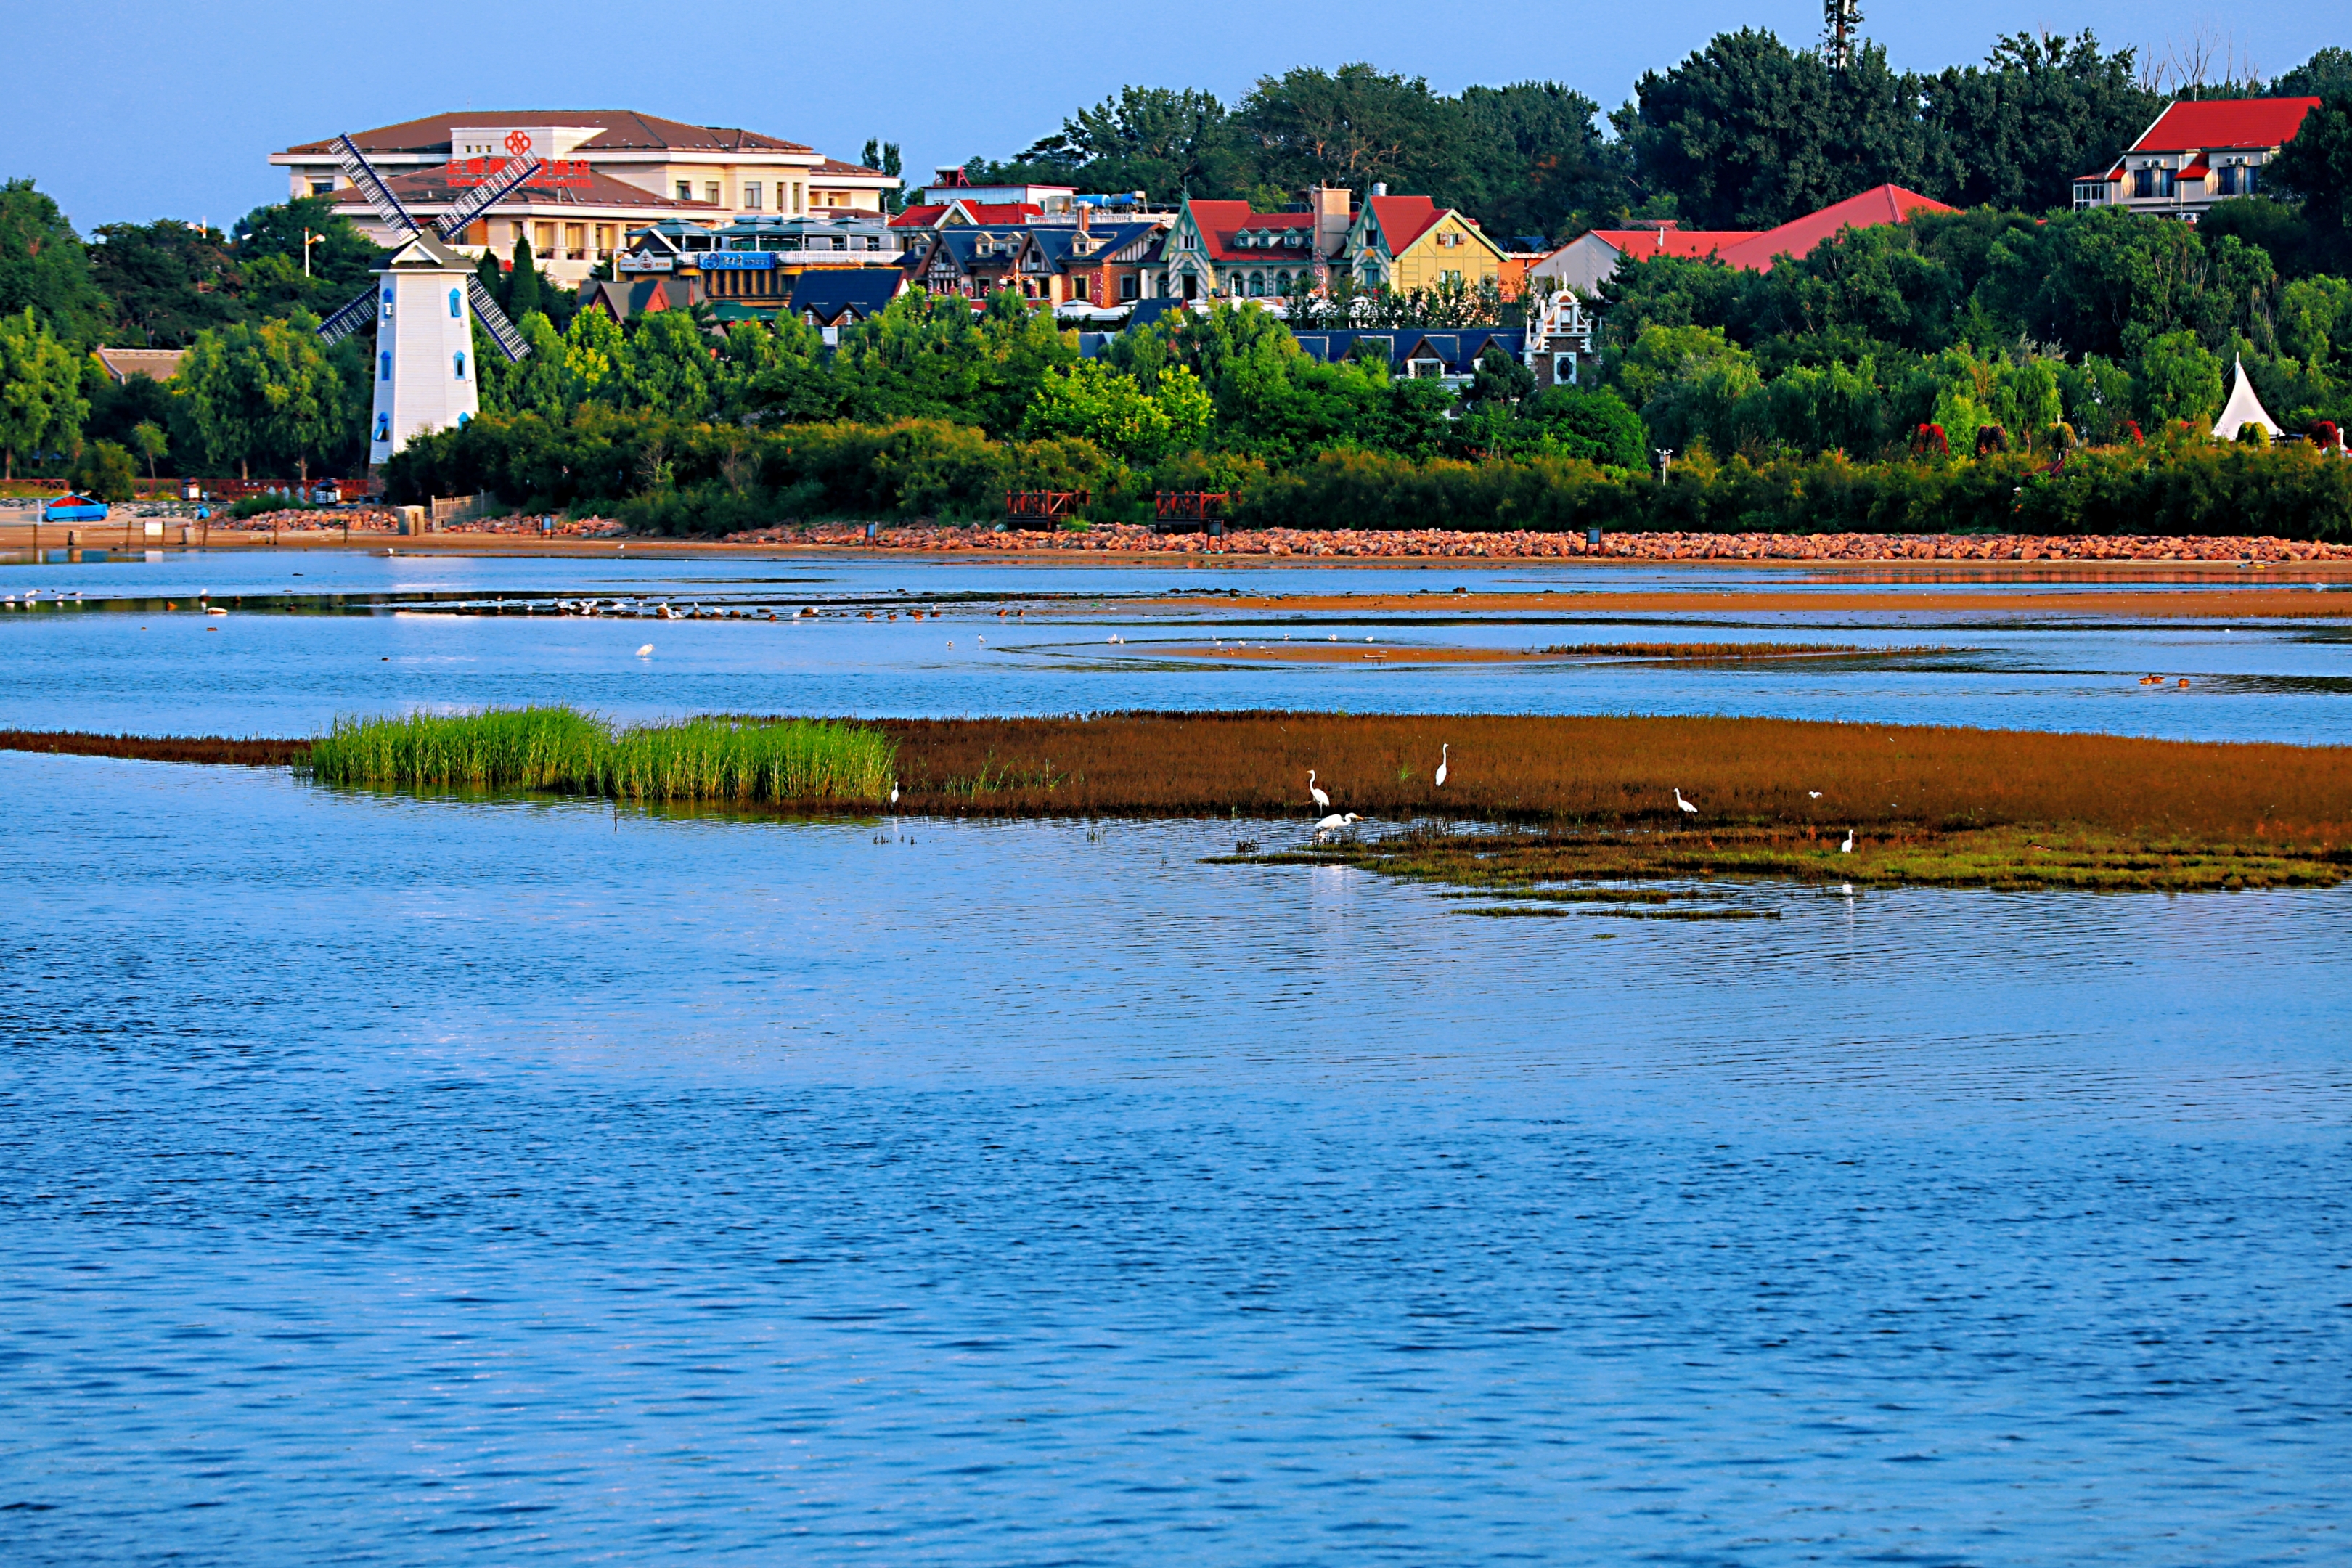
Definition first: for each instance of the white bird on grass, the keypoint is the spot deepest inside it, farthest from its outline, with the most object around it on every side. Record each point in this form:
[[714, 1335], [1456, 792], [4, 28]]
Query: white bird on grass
[[1812, 794], [894, 794], [1316, 795], [647, 651], [1442, 752], [1847, 847], [1683, 804]]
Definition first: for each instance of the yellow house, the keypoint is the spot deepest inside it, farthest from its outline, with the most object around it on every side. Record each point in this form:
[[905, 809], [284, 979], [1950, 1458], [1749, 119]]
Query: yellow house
[[1410, 242]]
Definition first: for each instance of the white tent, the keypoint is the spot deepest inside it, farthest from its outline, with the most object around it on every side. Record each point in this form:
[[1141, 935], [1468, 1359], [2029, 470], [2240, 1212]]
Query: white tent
[[2244, 408]]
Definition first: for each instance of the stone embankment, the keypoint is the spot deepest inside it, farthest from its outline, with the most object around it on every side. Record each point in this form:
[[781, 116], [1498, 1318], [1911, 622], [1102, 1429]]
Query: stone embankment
[[1421, 543]]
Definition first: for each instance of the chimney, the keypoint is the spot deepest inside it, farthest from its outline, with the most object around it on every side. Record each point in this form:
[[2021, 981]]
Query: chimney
[[1332, 217], [1380, 188], [1085, 212]]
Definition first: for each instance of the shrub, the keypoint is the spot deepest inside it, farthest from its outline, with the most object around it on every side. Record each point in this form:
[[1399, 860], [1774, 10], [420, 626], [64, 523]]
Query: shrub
[[104, 471]]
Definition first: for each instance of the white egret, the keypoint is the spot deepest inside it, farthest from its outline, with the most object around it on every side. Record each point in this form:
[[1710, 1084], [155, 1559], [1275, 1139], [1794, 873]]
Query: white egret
[[1683, 804], [1334, 823], [1812, 794], [1316, 795], [1442, 764], [647, 651], [1847, 847], [894, 794]]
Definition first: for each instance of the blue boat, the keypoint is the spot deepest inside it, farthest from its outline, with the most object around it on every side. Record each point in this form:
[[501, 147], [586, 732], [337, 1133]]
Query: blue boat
[[72, 508]]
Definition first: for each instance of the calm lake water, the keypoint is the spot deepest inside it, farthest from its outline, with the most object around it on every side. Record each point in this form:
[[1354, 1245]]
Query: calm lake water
[[387, 1180], [298, 650]]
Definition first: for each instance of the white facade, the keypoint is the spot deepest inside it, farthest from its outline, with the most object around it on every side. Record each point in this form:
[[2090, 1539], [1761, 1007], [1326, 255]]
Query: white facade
[[426, 376]]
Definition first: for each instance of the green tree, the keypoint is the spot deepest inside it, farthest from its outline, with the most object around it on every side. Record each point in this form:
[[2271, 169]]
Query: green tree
[[147, 439], [1353, 127], [2326, 74], [522, 283], [41, 396], [1749, 133], [45, 269], [342, 259], [2316, 169], [1090, 400], [790, 381], [167, 281], [1162, 141], [1537, 157], [263, 392], [2180, 378], [2014, 133], [665, 364], [592, 348], [104, 471]]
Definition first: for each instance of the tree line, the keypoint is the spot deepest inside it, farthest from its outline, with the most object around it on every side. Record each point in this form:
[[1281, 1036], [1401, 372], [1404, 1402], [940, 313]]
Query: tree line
[[1747, 132]]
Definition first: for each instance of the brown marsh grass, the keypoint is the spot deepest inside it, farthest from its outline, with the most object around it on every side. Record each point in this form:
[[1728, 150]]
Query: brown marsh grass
[[1620, 772], [158, 748]]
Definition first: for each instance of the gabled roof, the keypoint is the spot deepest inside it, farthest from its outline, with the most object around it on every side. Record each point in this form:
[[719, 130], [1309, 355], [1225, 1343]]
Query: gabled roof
[[1222, 222], [157, 364], [2217, 122], [943, 214], [621, 129], [1058, 243], [1457, 351], [861, 290], [1404, 219], [1687, 243], [1879, 204]]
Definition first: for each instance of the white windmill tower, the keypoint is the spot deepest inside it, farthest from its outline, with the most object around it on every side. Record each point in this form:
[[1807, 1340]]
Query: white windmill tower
[[424, 302]]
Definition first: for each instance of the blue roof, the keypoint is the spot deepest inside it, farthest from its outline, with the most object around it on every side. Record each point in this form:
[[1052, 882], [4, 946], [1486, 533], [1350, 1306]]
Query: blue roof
[[1458, 350], [830, 290]]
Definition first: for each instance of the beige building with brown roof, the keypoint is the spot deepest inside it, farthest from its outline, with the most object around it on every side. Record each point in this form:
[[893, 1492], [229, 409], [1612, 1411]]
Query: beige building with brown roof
[[607, 170]]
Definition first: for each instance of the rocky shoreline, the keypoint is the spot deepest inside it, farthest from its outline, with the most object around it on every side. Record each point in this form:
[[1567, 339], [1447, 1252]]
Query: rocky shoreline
[[1407, 544]]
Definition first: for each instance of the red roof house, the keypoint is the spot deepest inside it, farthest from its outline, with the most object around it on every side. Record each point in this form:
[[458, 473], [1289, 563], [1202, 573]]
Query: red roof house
[[2197, 153]]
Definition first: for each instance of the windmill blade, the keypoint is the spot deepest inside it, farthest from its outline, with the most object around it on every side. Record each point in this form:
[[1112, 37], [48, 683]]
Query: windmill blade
[[350, 319], [363, 175], [452, 224], [511, 343]]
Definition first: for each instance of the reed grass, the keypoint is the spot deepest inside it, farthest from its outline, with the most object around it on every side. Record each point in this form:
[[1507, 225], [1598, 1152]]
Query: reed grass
[[728, 760]]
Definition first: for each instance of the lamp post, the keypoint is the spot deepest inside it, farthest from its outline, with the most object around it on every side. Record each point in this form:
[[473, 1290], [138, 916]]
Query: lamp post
[[308, 239]]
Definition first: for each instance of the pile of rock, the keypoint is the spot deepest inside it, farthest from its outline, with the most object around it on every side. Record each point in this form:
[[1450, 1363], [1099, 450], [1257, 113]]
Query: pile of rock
[[1444, 544]]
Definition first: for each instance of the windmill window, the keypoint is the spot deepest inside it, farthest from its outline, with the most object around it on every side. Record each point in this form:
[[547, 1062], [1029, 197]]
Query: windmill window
[[388, 304], [454, 310], [383, 427], [459, 361], [383, 365]]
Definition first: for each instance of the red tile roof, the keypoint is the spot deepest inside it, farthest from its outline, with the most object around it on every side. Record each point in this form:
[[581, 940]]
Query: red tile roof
[[2226, 123], [1880, 205], [621, 128], [1690, 243], [1222, 221], [918, 217], [431, 187], [986, 214], [1404, 219]]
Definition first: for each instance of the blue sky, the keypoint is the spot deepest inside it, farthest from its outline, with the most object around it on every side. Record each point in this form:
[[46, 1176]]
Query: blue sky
[[152, 110]]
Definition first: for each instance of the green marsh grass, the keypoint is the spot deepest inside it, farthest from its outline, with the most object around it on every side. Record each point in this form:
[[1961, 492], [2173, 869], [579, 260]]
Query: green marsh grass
[[741, 762]]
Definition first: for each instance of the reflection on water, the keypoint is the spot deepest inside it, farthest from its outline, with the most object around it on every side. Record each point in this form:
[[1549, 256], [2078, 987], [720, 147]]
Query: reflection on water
[[404, 1181], [366, 635]]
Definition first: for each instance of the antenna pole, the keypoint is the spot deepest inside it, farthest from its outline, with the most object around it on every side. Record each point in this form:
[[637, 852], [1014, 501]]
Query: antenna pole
[[1841, 27]]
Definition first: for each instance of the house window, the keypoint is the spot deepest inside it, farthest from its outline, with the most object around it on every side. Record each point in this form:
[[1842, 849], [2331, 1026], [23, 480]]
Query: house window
[[1563, 370], [841, 242], [1127, 289], [453, 305], [751, 195], [603, 240], [575, 240], [2143, 183], [710, 192], [1257, 285], [322, 187], [1427, 369], [686, 190], [1454, 276], [459, 361], [2246, 180], [797, 205], [542, 238], [873, 242]]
